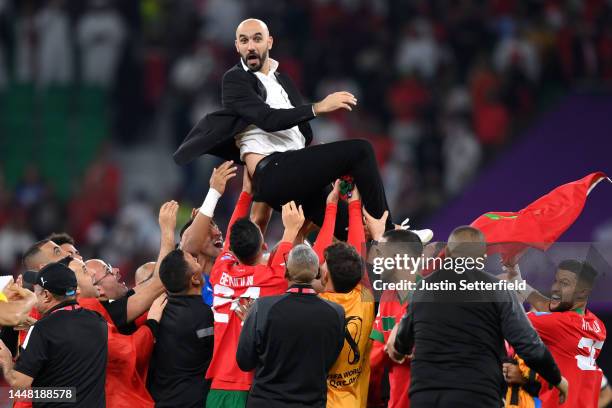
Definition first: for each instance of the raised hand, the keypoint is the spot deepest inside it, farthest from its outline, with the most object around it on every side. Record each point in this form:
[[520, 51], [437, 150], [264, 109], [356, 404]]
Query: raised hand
[[334, 195], [375, 226], [335, 101], [157, 308], [221, 175], [390, 347], [293, 216], [354, 195], [167, 216], [244, 305]]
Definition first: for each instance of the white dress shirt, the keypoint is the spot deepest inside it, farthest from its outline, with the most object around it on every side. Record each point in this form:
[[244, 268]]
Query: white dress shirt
[[256, 140]]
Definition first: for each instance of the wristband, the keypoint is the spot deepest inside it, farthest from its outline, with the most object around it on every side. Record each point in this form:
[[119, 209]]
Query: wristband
[[524, 294], [210, 202]]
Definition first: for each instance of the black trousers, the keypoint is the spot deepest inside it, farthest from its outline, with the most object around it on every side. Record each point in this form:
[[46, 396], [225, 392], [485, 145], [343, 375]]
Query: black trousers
[[306, 176], [452, 399]]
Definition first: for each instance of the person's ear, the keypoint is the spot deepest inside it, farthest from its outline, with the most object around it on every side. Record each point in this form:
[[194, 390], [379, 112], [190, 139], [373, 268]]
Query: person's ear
[[196, 279], [324, 276], [236, 44], [582, 292], [270, 42]]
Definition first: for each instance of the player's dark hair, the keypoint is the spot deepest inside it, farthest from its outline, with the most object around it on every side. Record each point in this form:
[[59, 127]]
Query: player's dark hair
[[174, 272], [412, 243], [245, 240], [585, 273], [32, 251], [188, 224], [61, 238], [345, 266]]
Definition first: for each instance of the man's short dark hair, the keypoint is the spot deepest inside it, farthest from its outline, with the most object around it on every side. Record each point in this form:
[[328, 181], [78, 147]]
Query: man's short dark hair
[[413, 244], [345, 266], [187, 225], [174, 272], [584, 272], [245, 240], [61, 238], [32, 251]]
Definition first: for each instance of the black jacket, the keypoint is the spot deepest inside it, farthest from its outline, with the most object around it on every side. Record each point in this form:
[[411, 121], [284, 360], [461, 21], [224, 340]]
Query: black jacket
[[244, 103], [182, 353], [458, 337], [291, 341]]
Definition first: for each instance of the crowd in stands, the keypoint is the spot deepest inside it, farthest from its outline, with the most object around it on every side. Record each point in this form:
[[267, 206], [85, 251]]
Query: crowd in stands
[[442, 85]]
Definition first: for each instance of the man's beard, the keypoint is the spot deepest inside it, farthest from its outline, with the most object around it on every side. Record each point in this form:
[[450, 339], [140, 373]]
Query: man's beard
[[563, 306], [260, 62]]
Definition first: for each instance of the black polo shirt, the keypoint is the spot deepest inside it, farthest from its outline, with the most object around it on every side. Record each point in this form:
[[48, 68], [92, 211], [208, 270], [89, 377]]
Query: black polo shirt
[[291, 341], [68, 348], [182, 353], [117, 309]]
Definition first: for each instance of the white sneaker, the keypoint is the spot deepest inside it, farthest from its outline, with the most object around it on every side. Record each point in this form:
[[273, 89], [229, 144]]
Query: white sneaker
[[425, 235]]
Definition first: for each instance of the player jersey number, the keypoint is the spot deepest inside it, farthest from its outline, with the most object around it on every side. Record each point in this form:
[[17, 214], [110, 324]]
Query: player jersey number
[[224, 295], [587, 363]]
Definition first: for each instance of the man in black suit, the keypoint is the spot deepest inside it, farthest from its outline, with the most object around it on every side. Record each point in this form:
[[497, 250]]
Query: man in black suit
[[265, 125]]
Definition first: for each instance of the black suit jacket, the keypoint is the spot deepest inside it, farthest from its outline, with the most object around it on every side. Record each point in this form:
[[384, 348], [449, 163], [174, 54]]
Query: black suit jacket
[[244, 103]]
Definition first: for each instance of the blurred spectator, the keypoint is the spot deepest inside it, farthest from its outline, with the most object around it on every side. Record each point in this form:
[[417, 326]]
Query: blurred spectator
[[3, 73], [15, 239], [491, 121], [30, 189], [418, 51], [461, 153], [100, 34], [55, 55], [26, 38], [219, 16], [515, 51], [407, 99]]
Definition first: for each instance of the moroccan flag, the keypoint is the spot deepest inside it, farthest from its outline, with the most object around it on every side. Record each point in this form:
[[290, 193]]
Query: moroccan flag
[[539, 224]]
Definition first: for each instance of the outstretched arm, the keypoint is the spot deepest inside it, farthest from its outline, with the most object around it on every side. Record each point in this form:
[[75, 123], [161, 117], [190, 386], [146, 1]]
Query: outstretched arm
[[242, 206], [356, 232], [243, 99], [537, 300], [195, 236], [326, 233], [146, 293]]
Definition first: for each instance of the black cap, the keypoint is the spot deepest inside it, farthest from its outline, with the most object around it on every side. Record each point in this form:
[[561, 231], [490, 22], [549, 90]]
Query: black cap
[[30, 277], [57, 278]]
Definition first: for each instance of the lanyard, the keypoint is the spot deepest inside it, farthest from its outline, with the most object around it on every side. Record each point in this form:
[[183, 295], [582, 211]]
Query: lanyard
[[69, 307], [309, 291]]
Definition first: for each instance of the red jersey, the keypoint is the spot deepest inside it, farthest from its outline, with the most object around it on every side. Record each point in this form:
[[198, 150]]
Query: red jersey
[[232, 281], [575, 342], [128, 362], [390, 312]]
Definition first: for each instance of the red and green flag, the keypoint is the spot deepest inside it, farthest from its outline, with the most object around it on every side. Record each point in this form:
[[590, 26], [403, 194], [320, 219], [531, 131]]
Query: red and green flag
[[539, 224]]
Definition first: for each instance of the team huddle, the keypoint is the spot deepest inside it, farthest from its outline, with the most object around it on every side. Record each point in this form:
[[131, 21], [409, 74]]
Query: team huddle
[[234, 323]]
